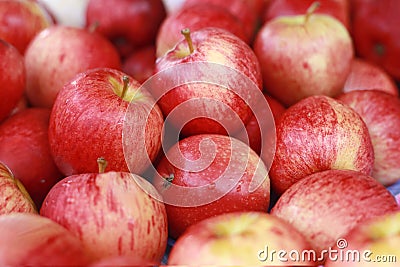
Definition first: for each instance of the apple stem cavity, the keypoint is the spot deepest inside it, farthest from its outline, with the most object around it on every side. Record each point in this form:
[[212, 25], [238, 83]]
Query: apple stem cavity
[[102, 163], [311, 10], [186, 34], [125, 79]]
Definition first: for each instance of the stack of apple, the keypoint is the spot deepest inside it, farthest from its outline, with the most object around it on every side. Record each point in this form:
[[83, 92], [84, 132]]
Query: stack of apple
[[229, 129]]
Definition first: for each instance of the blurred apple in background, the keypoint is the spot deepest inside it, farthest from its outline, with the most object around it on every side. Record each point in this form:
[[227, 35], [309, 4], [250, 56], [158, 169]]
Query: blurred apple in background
[[21, 20], [172, 6], [196, 17], [325, 206], [69, 13], [140, 64], [377, 242], [131, 24], [60, 52], [12, 78], [25, 149], [304, 55], [206, 175], [118, 120], [32, 240], [316, 134], [365, 75], [381, 113], [113, 213], [13, 196], [238, 239]]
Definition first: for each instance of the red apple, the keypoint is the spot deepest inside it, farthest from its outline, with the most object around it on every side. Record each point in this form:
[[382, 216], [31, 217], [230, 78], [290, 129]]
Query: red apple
[[127, 23], [195, 18], [240, 239], [14, 197], [319, 133], [12, 78], [365, 75], [25, 149], [303, 55], [60, 52], [206, 175], [375, 33], [21, 21], [381, 113], [113, 213], [32, 240], [326, 205], [140, 65], [118, 120], [339, 9], [213, 80], [375, 242]]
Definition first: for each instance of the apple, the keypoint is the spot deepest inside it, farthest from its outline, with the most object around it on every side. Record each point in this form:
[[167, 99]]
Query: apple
[[69, 13], [12, 78], [339, 9], [381, 113], [21, 21], [123, 261], [140, 64], [196, 17], [375, 34], [60, 52], [219, 81], [375, 242], [304, 55], [205, 175], [32, 240], [127, 23], [118, 120], [326, 205], [239, 239], [25, 149], [113, 213], [319, 133], [14, 197], [366, 75]]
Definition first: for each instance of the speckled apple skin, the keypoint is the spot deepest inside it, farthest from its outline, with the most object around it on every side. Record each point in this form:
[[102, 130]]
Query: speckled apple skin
[[316, 134]]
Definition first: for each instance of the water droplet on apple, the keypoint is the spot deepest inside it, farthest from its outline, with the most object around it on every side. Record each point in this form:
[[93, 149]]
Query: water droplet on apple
[[212, 185]]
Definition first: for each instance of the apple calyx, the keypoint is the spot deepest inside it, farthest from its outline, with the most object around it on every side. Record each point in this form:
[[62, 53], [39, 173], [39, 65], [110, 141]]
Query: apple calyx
[[311, 10], [102, 163], [168, 181], [186, 33]]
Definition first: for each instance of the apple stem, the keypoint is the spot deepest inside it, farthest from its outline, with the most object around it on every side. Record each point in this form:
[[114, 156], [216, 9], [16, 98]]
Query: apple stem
[[126, 85], [168, 181], [314, 6], [102, 163], [94, 26], [186, 34]]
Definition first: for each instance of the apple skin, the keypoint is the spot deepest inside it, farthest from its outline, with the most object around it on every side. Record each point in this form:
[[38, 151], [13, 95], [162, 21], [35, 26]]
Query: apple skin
[[380, 236], [293, 67], [205, 162], [366, 75], [326, 205], [113, 213], [233, 239], [339, 9], [214, 46], [60, 52], [132, 23], [21, 21], [14, 197], [12, 78], [319, 133], [196, 17], [94, 96], [25, 149], [141, 64], [381, 113], [32, 240]]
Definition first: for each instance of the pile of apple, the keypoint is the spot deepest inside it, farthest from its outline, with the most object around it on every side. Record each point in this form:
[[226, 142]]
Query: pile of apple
[[198, 132]]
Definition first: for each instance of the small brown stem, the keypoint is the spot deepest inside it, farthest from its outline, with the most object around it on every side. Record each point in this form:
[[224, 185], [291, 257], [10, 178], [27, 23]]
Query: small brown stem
[[102, 163], [186, 34], [93, 27], [311, 10], [126, 85]]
